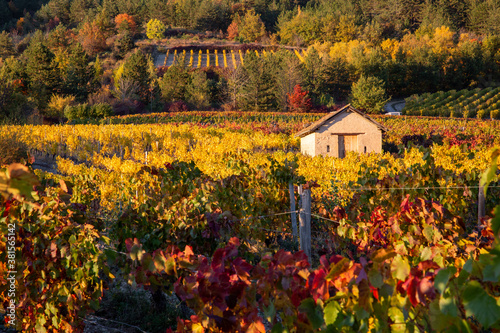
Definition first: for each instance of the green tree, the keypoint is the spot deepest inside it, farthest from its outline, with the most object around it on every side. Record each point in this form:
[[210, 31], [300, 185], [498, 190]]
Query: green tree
[[155, 29], [136, 69], [305, 28], [198, 90], [252, 28], [79, 76], [174, 83], [213, 16], [59, 38], [368, 94], [315, 76], [123, 44], [55, 8], [6, 45], [259, 91], [484, 17], [42, 72], [15, 107]]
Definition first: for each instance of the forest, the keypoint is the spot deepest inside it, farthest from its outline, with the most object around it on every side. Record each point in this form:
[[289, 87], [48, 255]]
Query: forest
[[63, 59]]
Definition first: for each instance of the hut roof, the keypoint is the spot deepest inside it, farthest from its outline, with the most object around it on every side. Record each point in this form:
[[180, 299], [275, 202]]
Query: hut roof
[[348, 108]]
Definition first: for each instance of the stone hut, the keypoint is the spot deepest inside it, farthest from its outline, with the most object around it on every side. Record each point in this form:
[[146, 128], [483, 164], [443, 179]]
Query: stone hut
[[341, 131]]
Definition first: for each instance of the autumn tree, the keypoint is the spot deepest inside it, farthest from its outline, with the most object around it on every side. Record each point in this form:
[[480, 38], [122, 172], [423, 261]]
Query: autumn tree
[[125, 22], [155, 29], [299, 101], [232, 30], [92, 38]]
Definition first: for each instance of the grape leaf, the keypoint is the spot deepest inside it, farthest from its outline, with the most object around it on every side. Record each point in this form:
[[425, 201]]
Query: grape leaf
[[479, 304], [442, 278], [312, 311]]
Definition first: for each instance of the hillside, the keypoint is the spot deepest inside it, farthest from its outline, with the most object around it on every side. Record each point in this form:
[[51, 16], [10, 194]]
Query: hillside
[[480, 103]]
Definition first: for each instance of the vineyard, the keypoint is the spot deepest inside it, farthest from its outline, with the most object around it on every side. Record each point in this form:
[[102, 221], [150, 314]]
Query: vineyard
[[197, 204], [477, 103], [218, 58]]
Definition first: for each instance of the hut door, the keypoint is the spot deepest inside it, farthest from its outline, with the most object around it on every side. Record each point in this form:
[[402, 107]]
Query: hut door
[[347, 143], [341, 146]]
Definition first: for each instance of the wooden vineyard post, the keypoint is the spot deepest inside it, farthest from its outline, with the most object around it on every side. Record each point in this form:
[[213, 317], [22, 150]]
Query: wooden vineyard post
[[481, 208], [292, 209], [305, 221]]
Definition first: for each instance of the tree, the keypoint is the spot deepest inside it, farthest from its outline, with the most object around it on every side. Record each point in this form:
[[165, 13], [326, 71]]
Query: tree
[[198, 90], [92, 38], [59, 38], [79, 76], [299, 101], [155, 29], [315, 78], [259, 91], [212, 16], [251, 28], [6, 45], [173, 84], [368, 94], [235, 79], [136, 70], [305, 28], [288, 75], [232, 30], [42, 72], [123, 44], [484, 17], [125, 22]]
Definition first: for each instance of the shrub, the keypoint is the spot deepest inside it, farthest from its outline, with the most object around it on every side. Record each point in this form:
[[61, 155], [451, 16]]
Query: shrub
[[76, 111], [368, 94], [57, 105], [82, 111], [178, 106], [101, 110]]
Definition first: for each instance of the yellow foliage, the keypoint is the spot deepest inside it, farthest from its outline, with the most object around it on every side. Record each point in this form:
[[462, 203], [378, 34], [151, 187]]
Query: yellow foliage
[[391, 47], [346, 49], [442, 40], [61, 58], [117, 75], [57, 104], [189, 142]]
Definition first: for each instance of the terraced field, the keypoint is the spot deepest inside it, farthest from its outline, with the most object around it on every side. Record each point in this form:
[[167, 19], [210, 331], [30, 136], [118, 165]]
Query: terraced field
[[190, 57]]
